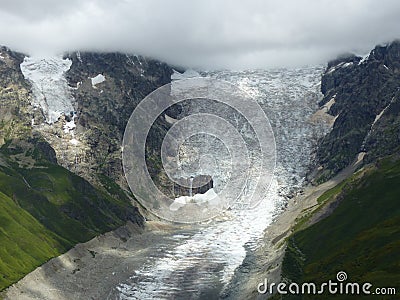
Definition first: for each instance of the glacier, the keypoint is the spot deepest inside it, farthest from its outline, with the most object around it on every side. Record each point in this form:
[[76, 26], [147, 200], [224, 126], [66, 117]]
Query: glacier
[[208, 254], [51, 92]]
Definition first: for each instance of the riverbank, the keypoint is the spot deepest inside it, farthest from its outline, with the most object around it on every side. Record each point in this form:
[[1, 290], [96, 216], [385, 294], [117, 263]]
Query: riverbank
[[77, 274]]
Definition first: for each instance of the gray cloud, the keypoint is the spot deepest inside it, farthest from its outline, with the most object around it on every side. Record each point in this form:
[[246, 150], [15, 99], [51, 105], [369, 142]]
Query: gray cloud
[[207, 33]]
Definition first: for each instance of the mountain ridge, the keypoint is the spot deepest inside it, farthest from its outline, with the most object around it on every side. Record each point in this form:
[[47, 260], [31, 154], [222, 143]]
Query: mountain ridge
[[365, 94], [68, 193]]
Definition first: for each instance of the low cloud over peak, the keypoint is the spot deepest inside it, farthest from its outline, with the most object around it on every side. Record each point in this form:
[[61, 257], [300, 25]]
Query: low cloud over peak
[[203, 34]]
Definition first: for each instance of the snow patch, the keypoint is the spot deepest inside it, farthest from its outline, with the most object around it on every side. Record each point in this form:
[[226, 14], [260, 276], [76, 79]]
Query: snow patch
[[187, 74], [373, 124], [98, 79], [327, 106], [360, 158], [78, 56], [347, 64], [364, 59], [381, 113], [338, 66], [74, 142], [209, 197], [69, 126], [130, 60], [50, 88]]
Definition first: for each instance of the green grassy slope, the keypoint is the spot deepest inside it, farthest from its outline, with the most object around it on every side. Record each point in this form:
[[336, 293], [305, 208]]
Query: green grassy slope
[[24, 242], [360, 237], [45, 210]]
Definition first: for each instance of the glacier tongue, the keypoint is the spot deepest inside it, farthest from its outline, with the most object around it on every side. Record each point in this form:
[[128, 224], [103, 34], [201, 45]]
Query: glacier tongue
[[205, 261], [50, 88]]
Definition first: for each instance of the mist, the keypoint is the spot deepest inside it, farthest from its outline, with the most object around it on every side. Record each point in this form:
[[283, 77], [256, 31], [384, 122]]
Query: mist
[[207, 34]]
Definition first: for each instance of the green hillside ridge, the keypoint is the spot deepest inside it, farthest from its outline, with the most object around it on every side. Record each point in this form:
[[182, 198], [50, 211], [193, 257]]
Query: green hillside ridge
[[361, 236], [46, 209], [25, 243]]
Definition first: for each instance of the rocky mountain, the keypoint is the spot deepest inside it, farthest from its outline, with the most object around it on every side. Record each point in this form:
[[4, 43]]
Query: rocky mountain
[[104, 88], [86, 139], [61, 124], [61, 182], [14, 93], [104, 108], [354, 226], [363, 94]]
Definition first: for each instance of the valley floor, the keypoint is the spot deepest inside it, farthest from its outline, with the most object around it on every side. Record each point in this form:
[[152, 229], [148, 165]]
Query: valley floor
[[91, 270]]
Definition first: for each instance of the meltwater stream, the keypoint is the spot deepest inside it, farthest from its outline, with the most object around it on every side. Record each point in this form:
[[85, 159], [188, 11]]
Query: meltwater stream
[[203, 260]]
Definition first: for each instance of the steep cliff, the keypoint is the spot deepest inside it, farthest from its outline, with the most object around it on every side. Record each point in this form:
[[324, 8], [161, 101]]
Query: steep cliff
[[14, 95], [104, 108], [363, 94]]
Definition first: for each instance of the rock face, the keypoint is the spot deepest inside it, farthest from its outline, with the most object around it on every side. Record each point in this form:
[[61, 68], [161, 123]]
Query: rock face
[[14, 95], [103, 107], [62, 167], [365, 95], [104, 90], [194, 185]]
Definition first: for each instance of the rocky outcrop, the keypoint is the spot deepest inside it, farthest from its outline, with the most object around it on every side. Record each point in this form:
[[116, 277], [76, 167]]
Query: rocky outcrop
[[365, 96], [106, 88], [14, 97]]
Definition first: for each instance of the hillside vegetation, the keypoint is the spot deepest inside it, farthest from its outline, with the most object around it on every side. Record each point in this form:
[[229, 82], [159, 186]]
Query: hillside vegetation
[[45, 210], [361, 236]]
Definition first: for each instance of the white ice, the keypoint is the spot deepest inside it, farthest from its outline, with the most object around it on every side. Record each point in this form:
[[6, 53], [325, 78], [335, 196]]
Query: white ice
[[98, 79], [364, 59], [69, 126], [187, 74], [50, 88], [210, 197], [74, 142], [289, 98]]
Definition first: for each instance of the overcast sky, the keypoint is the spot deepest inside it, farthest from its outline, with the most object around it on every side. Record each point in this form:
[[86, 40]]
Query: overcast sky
[[207, 33]]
